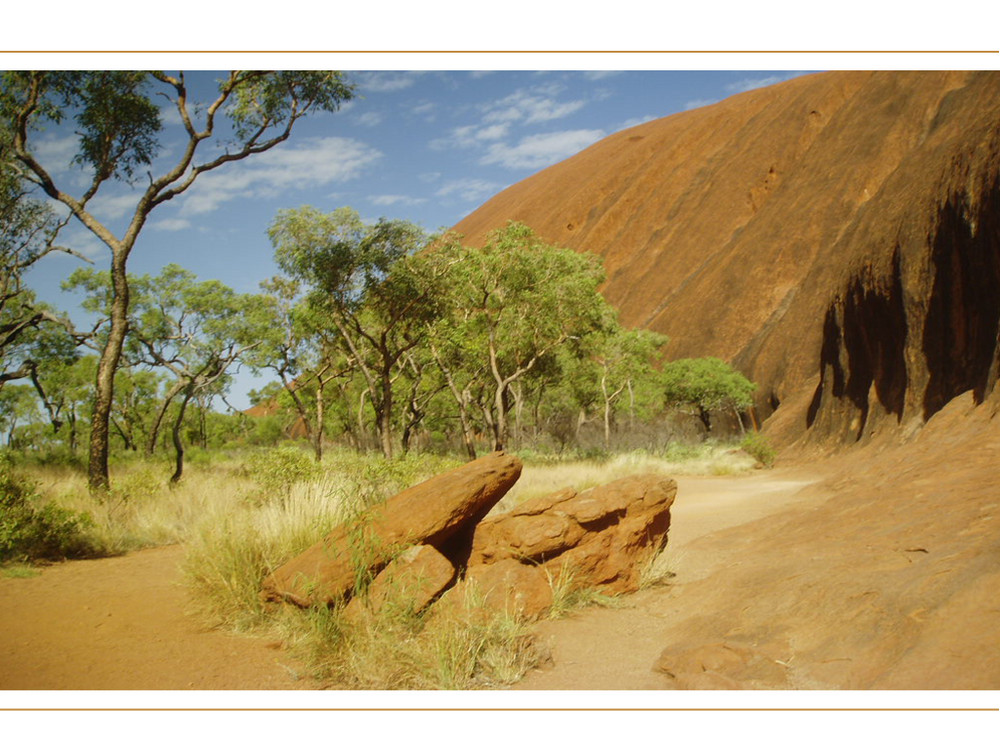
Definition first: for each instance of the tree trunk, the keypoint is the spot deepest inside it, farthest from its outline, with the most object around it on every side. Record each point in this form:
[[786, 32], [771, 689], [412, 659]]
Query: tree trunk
[[462, 399], [178, 445], [500, 424], [384, 415], [607, 425], [607, 412], [518, 433], [71, 418], [98, 475], [739, 417], [467, 434], [155, 432], [318, 438], [362, 438], [706, 419]]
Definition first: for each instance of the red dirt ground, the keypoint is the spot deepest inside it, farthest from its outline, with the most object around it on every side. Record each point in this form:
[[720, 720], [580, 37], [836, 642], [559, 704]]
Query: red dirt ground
[[872, 569]]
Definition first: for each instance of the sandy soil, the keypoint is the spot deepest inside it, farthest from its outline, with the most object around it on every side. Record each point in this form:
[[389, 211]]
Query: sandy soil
[[874, 569], [614, 648], [124, 623]]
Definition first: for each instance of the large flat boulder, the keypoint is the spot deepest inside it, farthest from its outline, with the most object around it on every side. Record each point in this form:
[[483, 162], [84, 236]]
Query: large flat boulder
[[602, 537], [441, 512]]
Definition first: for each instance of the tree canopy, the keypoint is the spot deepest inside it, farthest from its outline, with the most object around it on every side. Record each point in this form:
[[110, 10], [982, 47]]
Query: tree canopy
[[707, 384], [119, 134]]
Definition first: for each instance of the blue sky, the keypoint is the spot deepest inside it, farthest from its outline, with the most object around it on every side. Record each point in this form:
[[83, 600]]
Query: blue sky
[[429, 147]]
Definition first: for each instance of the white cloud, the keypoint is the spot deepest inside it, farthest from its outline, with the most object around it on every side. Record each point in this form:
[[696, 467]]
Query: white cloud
[[599, 75], [531, 106], [170, 225], [696, 103], [748, 84], [384, 82], [107, 207], [425, 110], [537, 151], [468, 189], [55, 153], [468, 136], [370, 119], [392, 200], [313, 162], [169, 115], [631, 123], [83, 241]]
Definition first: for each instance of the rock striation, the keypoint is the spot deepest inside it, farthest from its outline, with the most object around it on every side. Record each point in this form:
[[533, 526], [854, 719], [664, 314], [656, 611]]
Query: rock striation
[[605, 535], [836, 237]]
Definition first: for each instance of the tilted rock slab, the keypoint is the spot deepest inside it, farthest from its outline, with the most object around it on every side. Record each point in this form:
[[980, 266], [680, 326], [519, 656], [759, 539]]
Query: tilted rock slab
[[437, 512], [603, 537], [411, 581], [509, 586]]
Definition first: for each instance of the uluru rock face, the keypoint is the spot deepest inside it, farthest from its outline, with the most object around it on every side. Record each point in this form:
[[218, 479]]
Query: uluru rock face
[[836, 237]]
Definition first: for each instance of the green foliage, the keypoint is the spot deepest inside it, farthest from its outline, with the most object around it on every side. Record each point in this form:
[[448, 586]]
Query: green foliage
[[514, 304], [29, 531], [118, 125], [265, 99], [19, 570], [369, 283], [759, 447], [118, 122], [373, 478], [706, 384], [276, 471]]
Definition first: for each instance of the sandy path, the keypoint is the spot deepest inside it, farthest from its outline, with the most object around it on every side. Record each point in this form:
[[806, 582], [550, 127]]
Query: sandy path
[[120, 624], [123, 623], [615, 648]]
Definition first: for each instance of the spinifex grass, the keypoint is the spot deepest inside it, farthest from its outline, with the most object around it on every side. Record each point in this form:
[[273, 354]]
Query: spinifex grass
[[459, 646]]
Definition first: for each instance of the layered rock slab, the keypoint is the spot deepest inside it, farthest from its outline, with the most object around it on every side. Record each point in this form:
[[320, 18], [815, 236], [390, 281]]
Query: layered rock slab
[[441, 512], [411, 581], [603, 537]]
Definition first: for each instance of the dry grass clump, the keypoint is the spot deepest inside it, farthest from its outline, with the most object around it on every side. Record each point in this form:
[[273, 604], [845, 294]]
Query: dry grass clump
[[460, 647], [544, 477]]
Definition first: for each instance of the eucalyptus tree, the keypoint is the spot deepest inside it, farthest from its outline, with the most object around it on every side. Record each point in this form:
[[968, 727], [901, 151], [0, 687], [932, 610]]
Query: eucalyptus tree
[[375, 288], [196, 331], [624, 359], [137, 393], [28, 329], [302, 346], [119, 125], [705, 385], [18, 407], [515, 301]]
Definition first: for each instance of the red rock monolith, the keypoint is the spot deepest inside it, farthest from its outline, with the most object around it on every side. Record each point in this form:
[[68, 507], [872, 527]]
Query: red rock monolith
[[433, 513]]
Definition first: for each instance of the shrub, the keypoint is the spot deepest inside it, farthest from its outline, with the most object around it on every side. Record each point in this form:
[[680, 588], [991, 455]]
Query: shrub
[[31, 532], [760, 448], [277, 470]]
